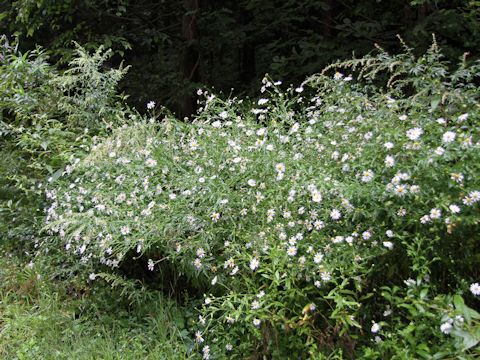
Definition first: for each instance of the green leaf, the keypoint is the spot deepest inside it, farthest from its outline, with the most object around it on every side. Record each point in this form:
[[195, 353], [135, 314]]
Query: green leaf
[[469, 340], [458, 302]]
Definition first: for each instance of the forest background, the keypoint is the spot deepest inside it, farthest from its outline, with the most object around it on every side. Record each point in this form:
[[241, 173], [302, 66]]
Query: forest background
[[176, 47]]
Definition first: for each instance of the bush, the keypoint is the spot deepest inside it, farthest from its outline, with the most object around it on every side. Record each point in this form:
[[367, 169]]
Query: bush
[[338, 219], [47, 118]]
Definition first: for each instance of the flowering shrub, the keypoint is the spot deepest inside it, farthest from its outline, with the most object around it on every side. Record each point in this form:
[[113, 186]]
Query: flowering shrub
[[47, 117], [331, 218]]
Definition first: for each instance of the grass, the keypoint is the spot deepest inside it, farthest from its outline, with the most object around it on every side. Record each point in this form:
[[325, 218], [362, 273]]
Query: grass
[[41, 319]]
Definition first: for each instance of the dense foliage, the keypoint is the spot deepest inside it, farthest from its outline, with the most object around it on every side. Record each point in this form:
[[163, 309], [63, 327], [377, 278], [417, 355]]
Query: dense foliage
[[47, 118], [176, 45], [335, 219]]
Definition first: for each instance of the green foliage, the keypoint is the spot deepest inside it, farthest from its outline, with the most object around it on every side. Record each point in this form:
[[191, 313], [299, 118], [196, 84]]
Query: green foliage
[[41, 319], [292, 224], [237, 41], [46, 119]]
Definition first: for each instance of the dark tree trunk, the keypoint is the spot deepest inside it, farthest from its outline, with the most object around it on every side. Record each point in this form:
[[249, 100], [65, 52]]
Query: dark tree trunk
[[327, 20], [190, 58], [247, 63]]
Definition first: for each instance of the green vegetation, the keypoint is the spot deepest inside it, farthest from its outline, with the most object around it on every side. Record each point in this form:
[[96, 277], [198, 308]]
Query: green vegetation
[[337, 218], [175, 47], [44, 320]]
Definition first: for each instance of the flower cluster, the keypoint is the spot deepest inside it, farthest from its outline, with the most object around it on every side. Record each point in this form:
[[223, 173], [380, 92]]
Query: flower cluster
[[272, 218]]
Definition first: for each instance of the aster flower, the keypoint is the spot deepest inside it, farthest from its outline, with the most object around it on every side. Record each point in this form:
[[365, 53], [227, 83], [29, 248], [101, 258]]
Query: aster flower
[[254, 264], [475, 289], [448, 137], [446, 328], [375, 328], [292, 250], [215, 216], [415, 133], [335, 214]]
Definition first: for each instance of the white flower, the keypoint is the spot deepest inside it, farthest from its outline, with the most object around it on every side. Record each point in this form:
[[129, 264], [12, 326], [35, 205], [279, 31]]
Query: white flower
[[318, 258], [402, 117], [254, 264], [234, 271], [457, 177], [255, 305], [295, 128], [454, 208], [206, 352], [475, 196], [401, 190], [292, 251], [388, 245], [375, 328], [150, 105], [318, 225], [367, 175], [150, 264], [366, 235], [150, 162], [256, 322], [316, 196], [439, 151], [262, 101], [435, 213], [462, 117], [448, 137], [193, 145], [414, 134], [338, 75], [92, 276], [410, 282], [335, 214], [200, 253], [389, 161], [261, 132], [425, 219], [252, 182], [280, 167], [388, 145], [414, 189], [215, 216], [446, 328], [197, 263], [198, 337], [229, 347], [389, 233], [124, 230], [214, 280], [475, 289], [325, 276]]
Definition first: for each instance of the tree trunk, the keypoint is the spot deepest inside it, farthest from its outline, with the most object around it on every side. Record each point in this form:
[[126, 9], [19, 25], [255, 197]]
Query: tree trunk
[[190, 58]]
